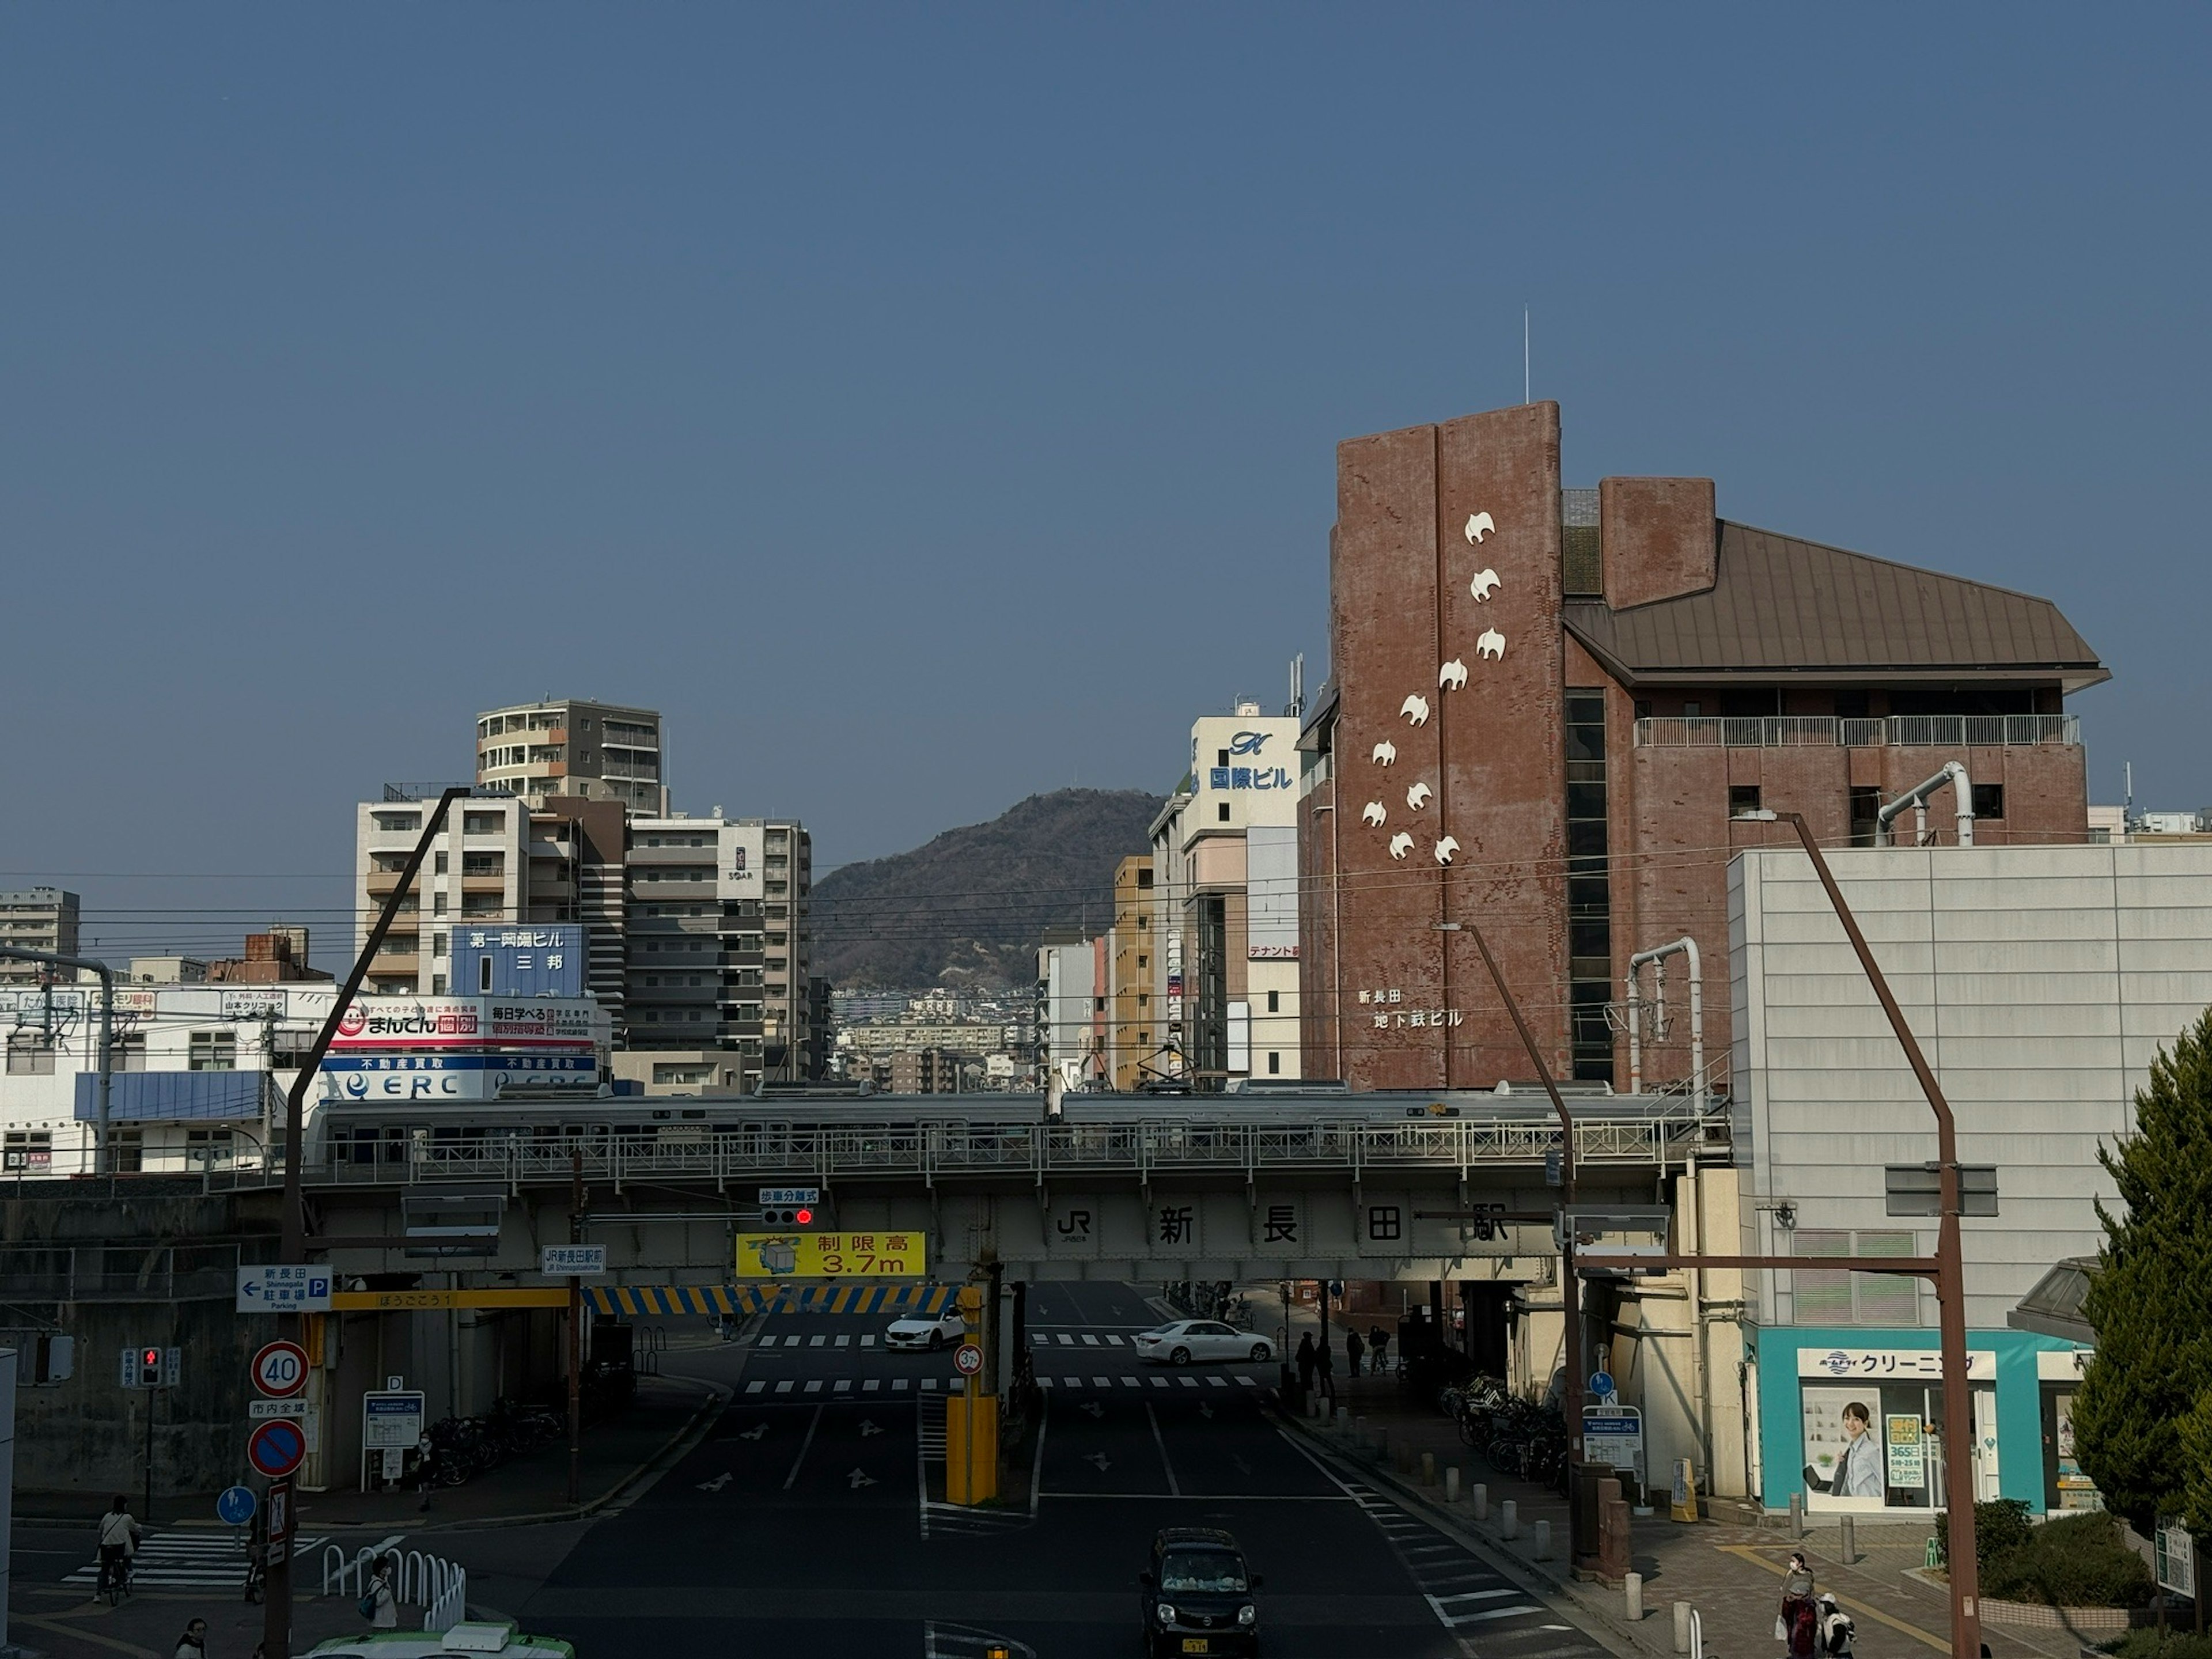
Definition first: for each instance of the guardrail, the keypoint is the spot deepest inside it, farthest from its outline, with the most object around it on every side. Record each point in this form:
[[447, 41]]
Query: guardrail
[[1040, 1152], [1822, 730]]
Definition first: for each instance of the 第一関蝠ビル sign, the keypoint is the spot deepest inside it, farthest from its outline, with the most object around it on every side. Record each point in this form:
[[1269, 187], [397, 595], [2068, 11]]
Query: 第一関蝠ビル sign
[[832, 1256]]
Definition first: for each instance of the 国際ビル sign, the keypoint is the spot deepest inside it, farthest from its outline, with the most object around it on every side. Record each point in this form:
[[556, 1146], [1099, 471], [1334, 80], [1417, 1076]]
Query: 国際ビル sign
[[832, 1256]]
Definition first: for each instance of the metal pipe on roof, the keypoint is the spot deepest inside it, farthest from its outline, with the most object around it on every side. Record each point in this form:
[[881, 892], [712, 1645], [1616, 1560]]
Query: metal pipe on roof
[[1658, 954], [1954, 773]]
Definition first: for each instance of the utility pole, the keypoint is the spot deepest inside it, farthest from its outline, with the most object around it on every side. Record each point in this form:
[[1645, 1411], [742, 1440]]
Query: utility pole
[[277, 1613], [575, 1331], [1570, 1301], [1950, 1279]]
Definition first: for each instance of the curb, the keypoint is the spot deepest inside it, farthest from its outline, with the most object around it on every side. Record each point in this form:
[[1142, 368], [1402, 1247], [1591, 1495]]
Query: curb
[[1562, 1594]]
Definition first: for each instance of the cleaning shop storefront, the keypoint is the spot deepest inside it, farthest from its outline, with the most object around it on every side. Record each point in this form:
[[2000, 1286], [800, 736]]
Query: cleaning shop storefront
[[1851, 1420]]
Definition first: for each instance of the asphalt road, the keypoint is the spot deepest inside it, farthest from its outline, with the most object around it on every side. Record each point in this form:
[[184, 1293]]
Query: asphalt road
[[810, 1520]]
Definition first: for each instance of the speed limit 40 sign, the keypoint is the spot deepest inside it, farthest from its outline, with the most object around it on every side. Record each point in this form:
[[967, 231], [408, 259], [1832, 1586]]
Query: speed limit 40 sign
[[280, 1370]]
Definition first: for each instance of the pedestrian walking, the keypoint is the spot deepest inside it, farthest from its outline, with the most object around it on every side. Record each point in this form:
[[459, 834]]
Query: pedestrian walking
[[1378, 1343], [193, 1644], [120, 1532], [1325, 1370], [1354, 1347], [1307, 1360], [1798, 1624], [379, 1602]]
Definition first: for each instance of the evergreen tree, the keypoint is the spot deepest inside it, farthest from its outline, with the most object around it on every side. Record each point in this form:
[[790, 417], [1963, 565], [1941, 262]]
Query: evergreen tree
[[2146, 1399]]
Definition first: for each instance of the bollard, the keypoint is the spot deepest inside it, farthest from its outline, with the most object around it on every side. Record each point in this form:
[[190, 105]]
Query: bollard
[[1481, 1501], [1359, 1431], [1316, 1407], [1508, 1519], [1451, 1484], [1543, 1541], [1428, 1468], [1850, 1543], [1681, 1626], [1631, 1586], [1796, 1515], [1343, 1417]]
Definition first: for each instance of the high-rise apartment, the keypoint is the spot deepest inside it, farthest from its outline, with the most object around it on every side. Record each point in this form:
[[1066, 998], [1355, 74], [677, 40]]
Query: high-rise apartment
[[36, 919], [591, 750], [1558, 714], [479, 869], [719, 944]]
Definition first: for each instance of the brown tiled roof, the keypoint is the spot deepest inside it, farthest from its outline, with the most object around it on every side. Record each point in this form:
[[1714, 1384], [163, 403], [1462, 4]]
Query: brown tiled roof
[[1783, 608]]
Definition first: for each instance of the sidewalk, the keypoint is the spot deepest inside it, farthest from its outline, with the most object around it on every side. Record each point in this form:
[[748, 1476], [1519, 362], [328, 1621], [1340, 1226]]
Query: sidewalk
[[1729, 1566], [533, 1488]]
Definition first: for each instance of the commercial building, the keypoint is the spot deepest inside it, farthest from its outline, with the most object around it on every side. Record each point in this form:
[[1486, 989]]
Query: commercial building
[[1071, 1009], [594, 751], [1558, 713], [718, 943], [2042, 982], [1226, 874], [36, 919]]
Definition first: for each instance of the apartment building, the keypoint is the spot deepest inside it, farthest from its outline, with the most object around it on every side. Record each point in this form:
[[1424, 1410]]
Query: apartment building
[[718, 943], [1130, 1046], [36, 919], [1556, 714], [477, 870], [924, 1072], [594, 751], [1070, 1004]]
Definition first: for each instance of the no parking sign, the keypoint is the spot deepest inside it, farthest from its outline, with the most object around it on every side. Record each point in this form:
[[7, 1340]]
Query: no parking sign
[[277, 1447]]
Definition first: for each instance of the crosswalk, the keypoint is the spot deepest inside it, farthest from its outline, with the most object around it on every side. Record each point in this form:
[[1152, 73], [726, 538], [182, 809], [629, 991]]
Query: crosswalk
[[1465, 1595], [866, 1340], [834, 1386], [1063, 1338], [189, 1560], [1210, 1380]]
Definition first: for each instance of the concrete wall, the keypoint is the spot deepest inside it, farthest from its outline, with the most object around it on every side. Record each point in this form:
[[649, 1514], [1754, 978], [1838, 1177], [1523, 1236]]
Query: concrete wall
[[2041, 981]]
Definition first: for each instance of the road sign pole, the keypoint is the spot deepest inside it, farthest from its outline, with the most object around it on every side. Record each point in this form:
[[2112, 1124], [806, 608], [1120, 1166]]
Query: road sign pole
[[575, 1331], [147, 1510]]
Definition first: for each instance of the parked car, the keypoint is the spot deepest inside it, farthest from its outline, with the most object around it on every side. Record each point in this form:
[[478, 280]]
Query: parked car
[[1197, 1594], [926, 1331], [1188, 1339]]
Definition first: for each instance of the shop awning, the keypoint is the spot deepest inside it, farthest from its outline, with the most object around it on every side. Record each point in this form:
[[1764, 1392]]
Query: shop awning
[[2053, 1306]]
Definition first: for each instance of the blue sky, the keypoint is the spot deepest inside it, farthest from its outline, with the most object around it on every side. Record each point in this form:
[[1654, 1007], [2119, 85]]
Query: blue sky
[[927, 406]]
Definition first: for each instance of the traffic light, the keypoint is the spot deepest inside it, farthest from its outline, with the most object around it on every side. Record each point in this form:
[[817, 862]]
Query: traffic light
[[152, 1368], [788, 1215]]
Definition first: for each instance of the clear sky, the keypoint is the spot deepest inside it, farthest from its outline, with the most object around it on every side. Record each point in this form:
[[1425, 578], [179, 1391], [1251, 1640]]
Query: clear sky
[[924, 406]]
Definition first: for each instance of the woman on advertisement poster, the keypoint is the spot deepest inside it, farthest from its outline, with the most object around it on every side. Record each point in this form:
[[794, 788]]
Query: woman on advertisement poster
[[1857, 1472]]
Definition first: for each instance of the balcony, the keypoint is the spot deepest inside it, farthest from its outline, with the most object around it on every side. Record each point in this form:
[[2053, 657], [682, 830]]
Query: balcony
[[1822, 731], [394, 965]]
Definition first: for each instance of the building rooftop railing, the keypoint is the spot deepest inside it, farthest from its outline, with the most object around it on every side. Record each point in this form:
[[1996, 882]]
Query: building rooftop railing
[[1824, 731]]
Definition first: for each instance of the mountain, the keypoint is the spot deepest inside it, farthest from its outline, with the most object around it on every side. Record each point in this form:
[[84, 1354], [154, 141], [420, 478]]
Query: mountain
[[968, 907]]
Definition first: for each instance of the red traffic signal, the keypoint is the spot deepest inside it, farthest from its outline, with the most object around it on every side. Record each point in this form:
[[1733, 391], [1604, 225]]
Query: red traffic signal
[[803, 1216], [150, 1358]]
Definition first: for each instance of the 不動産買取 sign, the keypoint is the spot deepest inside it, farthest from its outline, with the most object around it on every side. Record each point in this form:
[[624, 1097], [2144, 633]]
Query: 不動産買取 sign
[[832, 1256]]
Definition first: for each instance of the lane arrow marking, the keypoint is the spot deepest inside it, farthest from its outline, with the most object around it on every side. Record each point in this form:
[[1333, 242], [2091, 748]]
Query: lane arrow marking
[[1101, 1460], [868, 1427], [754, 1432], [859, 1477], [717, 1483]]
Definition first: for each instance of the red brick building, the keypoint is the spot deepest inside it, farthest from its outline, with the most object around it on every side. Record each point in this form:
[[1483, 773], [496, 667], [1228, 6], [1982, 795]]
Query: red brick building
[[1551, 711]]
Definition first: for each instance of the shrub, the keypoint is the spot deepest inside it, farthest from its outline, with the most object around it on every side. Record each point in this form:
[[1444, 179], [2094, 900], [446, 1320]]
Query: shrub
[[2079, 1561], [2147, 1644], [1999, 1526]]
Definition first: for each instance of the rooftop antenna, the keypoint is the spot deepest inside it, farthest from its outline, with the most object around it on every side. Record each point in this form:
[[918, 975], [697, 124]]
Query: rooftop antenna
[[2128, 811], [1525, 396], [1297, 686]]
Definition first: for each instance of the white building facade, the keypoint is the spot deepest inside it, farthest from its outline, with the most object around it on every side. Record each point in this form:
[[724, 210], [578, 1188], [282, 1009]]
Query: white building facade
[[2041, 984]]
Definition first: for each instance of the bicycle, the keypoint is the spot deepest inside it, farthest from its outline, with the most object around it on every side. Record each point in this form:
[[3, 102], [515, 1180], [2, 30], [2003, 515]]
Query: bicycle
[[114, 1581]]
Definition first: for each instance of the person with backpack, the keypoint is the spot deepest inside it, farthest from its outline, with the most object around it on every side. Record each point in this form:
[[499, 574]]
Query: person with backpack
[[379, 1602], [120, 1532]]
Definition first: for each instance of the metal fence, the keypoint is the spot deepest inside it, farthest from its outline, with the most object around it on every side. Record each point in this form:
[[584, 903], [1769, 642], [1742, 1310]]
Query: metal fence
[[1822, 731], [118, 1273], [929, 1152]]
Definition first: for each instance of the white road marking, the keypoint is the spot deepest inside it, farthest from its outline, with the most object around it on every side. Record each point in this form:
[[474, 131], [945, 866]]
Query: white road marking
[[872, 1385], [869, 1340], [899, 1385], [1130, 1382], [816, 1342], [1047, 1381], [814, 1387], [1088, 1341], [812, 1424], [846, 1341], [1174, 1488], [843, 1385], [928, 1384], [755, 1388], [784, 1386]]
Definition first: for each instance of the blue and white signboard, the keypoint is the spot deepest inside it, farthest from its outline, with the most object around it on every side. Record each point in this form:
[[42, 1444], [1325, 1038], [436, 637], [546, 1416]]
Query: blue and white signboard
[[519, 959], [284, 1290], [1613, 1436], [236, 1507]]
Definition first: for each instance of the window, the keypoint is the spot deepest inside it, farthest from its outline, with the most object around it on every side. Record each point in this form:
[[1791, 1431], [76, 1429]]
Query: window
[[1221, 758], [482, 824], [1840, 1297], [30, 1149], [484, 863], [438, 983], [1743, 798], [441, 868], [30, 1054], [397, 820], [208, 1148], [438, 900], [438, 944], [1691, 709], [1274, 1062], [127, 1053], [213, 1051], [1098, 1005], [1221, 813], [1589, 887], [1916, 1189], [1989, 801], [1274, 1004]]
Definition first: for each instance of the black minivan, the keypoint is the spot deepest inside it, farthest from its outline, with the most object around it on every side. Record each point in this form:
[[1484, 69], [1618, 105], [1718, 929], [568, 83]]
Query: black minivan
[[1198, 1596]]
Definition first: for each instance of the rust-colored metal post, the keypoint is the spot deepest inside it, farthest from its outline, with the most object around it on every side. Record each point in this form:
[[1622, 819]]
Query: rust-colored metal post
[[1571, 1302], [292, 1251], [1950, 1282]]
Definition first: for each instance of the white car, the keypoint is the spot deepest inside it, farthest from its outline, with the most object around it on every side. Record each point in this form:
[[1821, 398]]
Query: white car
[[921, 1331], [1188, 1339]]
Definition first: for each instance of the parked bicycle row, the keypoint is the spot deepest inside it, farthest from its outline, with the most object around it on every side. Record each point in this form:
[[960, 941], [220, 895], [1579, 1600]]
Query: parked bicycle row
[[1520, 1437]]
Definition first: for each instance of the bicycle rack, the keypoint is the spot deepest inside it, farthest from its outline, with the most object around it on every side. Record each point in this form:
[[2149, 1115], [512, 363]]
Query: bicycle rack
[[363, 1562]]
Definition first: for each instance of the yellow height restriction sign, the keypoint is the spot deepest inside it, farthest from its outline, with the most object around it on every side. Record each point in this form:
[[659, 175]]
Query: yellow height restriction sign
[[832, 1256]]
